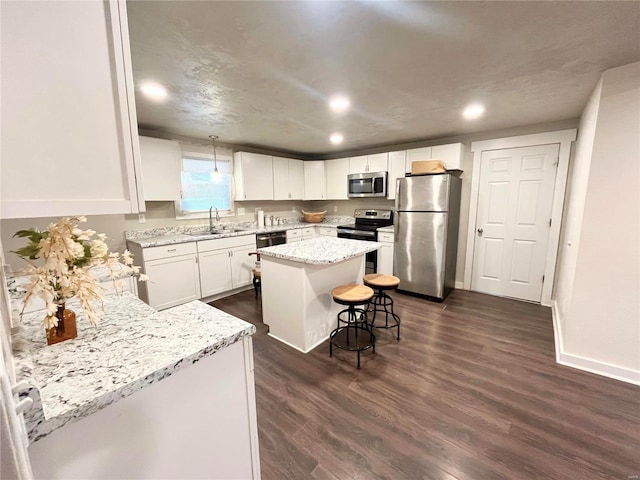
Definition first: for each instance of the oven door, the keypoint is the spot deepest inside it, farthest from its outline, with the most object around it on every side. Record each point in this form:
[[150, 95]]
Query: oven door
[[371, 260]]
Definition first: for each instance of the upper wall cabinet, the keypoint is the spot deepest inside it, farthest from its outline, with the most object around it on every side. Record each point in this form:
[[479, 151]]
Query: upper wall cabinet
[[288, 179], [160, 168], [253, 174], [336, 172], [417, 155], [450, 154], [397, 161], [314, 180], [368, 163], [69, 127]]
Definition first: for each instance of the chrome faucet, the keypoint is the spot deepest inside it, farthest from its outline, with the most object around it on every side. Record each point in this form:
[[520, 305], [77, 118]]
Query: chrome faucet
[[211, 219]]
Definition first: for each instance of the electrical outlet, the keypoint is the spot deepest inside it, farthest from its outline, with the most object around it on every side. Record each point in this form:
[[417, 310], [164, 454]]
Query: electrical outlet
[[141, 218], [293, 209], [335, 208], [240, 211]]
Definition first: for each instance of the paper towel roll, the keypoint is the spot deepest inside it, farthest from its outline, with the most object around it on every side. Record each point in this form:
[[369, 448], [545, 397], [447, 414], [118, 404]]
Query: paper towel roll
[[260, 219]]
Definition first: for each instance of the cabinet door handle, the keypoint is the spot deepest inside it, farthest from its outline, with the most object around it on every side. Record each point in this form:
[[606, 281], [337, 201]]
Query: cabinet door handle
[[480, 232], [231, 252], [172, 249]]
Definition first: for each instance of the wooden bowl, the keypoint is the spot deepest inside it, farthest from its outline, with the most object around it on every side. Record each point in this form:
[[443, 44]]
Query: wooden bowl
[[313, 217]]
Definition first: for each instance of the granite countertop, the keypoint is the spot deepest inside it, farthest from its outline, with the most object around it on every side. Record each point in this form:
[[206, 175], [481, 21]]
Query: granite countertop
[[320, 250], [161, 237], [132, 347]]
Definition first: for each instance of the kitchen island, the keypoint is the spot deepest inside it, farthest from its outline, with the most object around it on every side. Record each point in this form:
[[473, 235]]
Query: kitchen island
[[297, 280], [146, 394]]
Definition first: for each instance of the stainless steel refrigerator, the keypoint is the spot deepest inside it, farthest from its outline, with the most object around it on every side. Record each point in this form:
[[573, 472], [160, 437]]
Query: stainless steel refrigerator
[[426, 234]]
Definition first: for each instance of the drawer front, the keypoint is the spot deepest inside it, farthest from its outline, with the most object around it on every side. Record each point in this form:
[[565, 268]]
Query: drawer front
[[166, 251], [328, 231], [227, 243], [308, 232], [297, 234], [385, 237]]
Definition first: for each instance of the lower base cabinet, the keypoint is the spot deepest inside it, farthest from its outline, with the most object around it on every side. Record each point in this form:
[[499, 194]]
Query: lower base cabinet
[[385, 254], [225, 264], [173, 274]]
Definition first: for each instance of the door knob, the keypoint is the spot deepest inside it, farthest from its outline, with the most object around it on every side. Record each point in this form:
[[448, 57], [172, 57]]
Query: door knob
[[480, 231]]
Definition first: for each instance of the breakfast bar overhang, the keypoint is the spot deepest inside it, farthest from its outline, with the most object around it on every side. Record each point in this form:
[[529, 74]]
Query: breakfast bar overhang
[[297, 280]]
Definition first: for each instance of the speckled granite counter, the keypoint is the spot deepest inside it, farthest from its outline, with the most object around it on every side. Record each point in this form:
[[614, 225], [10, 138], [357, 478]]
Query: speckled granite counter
[[320, 250], [133, 347], [171, 235]]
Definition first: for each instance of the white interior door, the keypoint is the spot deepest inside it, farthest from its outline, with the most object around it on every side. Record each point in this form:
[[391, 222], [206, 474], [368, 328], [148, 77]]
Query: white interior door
[[513, 221]]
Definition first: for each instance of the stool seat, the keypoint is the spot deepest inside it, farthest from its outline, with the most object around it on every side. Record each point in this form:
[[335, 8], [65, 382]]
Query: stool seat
[[351, 293], [378, 280]]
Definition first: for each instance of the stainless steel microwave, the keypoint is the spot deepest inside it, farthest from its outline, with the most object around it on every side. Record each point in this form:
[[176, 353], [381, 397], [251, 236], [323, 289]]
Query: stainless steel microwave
[[370, 184]]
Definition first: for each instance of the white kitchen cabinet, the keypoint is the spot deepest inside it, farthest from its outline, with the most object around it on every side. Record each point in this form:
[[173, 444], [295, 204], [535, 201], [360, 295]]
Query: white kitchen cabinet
[[314, 180], [253, 173], [173, 274], [327, 231], [450, 154], [288, 179], [215, 272], [69, 126], [368, 163], [417, 155], [308, 232], [294, 235], [397, 162], [225, 264], [336, 172], [160, 169], [385, 254]]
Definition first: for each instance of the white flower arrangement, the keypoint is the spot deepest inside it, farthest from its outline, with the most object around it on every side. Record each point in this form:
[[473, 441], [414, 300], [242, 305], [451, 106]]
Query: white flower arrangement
[[69, 253]]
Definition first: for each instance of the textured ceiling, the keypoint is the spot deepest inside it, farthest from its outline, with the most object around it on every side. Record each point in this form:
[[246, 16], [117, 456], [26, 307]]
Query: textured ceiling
[[259, 73]]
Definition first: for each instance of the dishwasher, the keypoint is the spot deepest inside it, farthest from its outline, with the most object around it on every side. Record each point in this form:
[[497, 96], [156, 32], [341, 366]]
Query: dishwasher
[[271, 238]]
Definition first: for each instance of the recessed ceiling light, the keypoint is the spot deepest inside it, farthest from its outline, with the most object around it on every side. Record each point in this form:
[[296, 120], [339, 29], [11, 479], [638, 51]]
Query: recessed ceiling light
[[473, 111], [154, 91], [336, 138], [339, 103]]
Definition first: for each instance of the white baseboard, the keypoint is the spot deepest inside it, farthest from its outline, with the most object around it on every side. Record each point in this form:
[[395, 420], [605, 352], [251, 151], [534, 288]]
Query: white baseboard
[[581, 363], [459, 285]]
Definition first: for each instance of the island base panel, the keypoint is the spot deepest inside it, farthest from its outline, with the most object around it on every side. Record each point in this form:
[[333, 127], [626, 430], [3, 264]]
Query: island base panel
[[296, 298]]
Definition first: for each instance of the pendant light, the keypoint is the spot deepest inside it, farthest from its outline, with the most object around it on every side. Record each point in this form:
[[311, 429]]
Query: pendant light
[[216, 173]]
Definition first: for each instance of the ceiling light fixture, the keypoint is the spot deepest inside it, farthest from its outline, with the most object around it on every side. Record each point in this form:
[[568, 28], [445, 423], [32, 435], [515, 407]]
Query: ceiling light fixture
[[339, 103], [473, 111], [154, 91], [215, 175], [336, 138]]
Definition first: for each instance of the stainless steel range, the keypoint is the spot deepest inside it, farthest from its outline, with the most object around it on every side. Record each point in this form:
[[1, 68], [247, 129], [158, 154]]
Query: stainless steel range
[[365, 228]]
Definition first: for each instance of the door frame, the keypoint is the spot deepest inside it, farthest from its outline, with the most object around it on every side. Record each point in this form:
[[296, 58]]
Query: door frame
[[562, 137]]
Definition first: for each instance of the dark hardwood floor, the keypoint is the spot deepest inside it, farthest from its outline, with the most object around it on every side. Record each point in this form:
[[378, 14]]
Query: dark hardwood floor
[[471, 391]]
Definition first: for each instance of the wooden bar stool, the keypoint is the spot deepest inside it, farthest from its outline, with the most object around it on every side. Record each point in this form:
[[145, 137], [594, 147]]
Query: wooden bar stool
[[257, 274], [353, 332], [381, 302]]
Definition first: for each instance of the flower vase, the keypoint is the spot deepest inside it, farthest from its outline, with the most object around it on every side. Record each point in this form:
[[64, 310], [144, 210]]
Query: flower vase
[[66, 328]]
